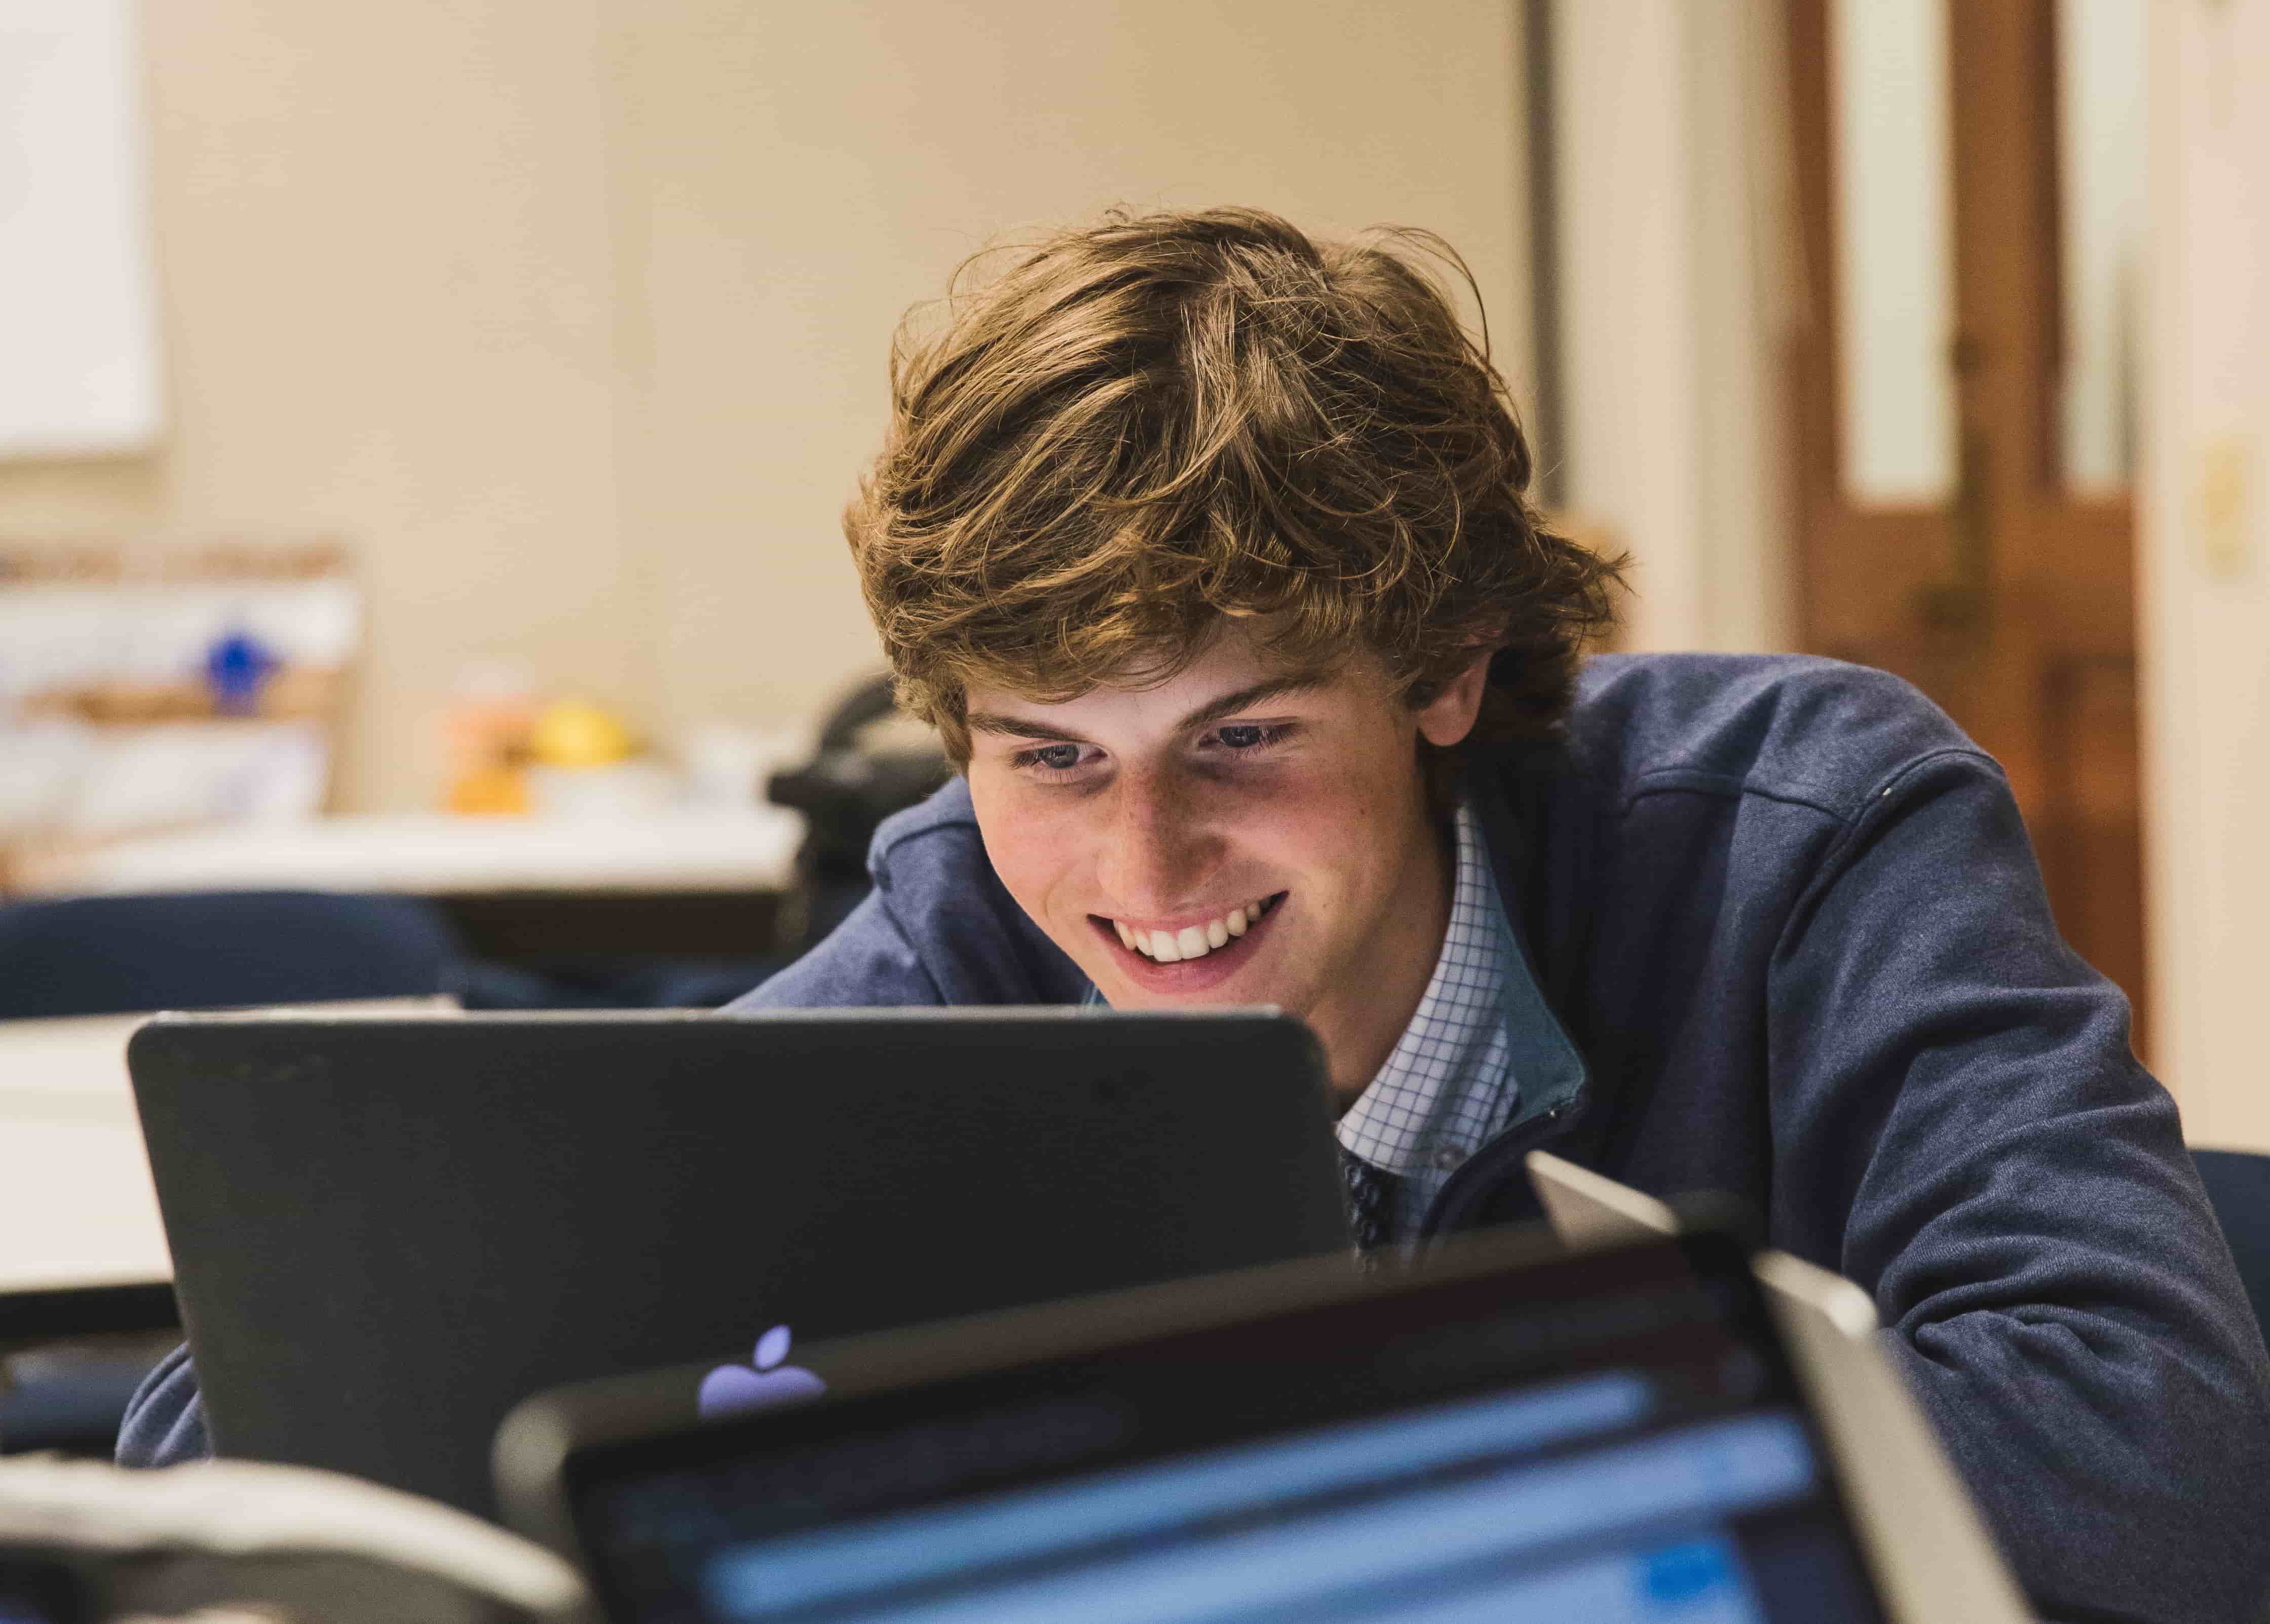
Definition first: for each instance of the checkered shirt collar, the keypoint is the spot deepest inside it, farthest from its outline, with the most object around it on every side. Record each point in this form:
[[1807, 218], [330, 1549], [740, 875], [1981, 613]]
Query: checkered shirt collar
[[1448, 1086]]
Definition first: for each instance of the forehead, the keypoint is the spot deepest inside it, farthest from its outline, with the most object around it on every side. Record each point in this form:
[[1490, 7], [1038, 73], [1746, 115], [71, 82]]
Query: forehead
[[1231, 662]]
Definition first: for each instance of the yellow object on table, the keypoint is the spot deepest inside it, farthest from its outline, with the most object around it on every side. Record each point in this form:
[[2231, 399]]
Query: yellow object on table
[[498, 791], [578, 733]]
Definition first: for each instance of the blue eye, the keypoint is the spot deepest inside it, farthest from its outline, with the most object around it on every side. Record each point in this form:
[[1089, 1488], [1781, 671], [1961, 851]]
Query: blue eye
[[1048, 758], [1251, 738]]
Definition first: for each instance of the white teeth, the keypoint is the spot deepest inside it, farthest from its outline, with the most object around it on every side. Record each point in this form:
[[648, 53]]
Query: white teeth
[[1191, 941]]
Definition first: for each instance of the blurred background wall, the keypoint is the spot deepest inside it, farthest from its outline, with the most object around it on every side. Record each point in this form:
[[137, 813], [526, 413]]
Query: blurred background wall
[[2205, 547], [569, 317]]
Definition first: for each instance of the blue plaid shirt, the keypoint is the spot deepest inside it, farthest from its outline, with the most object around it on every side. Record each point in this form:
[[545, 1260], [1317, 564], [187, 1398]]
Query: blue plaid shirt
[[1448, 1086]]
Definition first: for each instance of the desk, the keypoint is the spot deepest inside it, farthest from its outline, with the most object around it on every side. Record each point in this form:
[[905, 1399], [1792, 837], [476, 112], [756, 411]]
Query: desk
[[745, 849], [77, 1208], [678, 883], [75, 1204]]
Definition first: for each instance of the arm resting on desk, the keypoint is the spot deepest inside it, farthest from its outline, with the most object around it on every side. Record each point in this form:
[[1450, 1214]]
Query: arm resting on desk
[[1954, 1096]]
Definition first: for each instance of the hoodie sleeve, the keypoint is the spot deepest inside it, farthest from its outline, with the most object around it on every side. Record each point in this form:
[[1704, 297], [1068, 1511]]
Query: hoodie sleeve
[[865, 962], [165, 1422], [938, 928], [1954, 1093]]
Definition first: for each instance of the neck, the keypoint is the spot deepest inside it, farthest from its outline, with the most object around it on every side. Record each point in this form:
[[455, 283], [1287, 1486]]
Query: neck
[[1398, 972]]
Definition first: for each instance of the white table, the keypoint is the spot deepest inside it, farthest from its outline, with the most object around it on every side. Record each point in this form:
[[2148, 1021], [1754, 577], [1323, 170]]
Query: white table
[[677, 849], [76, 1207], [75, 1204]]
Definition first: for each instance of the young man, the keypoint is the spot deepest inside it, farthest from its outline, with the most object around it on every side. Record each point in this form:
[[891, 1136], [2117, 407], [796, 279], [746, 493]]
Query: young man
[[1204, 547]]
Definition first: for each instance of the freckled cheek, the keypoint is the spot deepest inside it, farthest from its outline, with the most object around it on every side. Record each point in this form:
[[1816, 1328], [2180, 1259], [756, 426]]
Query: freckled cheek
[[1322, 828], [1037, 852]]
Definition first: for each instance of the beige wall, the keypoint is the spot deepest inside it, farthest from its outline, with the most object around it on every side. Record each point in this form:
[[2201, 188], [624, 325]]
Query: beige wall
[[571, 315], [2204, 530]]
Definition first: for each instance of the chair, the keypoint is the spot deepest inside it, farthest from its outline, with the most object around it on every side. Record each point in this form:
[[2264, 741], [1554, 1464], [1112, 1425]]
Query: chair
[[856, 778], [2238, 1188], [106, 955]]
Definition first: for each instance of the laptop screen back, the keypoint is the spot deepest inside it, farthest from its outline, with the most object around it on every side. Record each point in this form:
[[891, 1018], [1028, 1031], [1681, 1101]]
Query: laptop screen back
[[1611, 1439], [389, 1233]]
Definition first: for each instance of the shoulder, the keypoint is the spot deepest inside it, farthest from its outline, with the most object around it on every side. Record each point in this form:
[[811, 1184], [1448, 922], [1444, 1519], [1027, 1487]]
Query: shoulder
[[929, 862], [935, 835], [1794, 728], [938, 928]]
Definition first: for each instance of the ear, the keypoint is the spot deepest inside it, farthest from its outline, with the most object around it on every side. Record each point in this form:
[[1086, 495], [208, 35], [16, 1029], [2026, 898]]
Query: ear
[[1449, 716]]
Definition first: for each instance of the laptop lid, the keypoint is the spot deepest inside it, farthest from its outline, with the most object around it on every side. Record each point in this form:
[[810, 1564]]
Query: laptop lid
[[1591, 1209], [1930, 1550], [1507, 1431], [387, 1232]]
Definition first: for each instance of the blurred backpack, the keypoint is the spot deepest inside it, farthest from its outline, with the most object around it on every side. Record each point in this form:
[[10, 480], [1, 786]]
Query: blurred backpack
[[868, 764]]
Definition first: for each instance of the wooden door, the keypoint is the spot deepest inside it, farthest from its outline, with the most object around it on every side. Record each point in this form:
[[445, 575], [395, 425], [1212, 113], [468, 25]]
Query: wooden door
[[2012, 602]]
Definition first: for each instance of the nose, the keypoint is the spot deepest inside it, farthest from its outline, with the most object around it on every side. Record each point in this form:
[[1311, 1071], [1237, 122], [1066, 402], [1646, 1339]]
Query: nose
[[1157, 851]]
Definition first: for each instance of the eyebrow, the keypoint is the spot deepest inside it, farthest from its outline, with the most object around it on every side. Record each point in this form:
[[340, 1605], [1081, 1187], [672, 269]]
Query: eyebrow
[[1214, 710]]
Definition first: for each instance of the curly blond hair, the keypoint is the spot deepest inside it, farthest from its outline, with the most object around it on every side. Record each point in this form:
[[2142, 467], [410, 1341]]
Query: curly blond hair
[[1148, 424]]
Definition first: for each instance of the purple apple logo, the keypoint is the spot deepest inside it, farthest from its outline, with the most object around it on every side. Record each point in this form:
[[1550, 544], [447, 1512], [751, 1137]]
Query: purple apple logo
[[731, 1389]]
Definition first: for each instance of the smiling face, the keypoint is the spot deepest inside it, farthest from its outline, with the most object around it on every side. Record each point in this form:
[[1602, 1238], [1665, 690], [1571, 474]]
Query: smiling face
[[1232, 835]]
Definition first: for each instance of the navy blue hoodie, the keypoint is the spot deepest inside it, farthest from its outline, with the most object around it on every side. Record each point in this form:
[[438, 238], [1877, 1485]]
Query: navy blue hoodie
[[1792, 946]]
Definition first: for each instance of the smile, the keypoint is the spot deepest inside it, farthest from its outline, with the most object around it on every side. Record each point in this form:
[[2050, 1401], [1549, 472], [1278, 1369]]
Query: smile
[[1193, 941], [1185, 943]]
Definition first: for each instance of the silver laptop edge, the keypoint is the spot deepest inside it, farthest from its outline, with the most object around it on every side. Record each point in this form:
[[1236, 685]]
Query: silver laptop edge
[[1931, 1552]]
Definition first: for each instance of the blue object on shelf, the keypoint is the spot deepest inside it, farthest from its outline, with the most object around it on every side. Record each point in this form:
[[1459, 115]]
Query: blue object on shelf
[[237, 668]]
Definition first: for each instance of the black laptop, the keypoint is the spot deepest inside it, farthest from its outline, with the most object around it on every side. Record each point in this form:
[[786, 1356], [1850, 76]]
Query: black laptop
[[1510, 1432], [386, 1232]]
